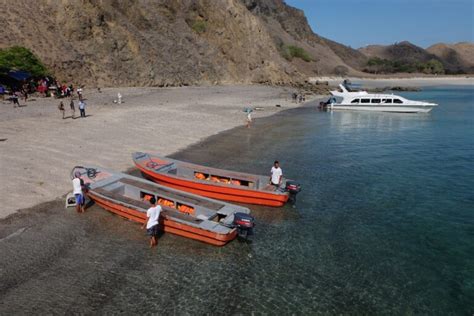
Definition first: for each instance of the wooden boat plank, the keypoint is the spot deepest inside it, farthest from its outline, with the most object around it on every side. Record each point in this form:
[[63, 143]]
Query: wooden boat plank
[[173, 195]]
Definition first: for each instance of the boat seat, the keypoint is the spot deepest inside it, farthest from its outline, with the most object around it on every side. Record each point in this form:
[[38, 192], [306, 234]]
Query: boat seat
[[181, 197], [178, 215], [164, 168], [143, 206], [139, 205], [218, 172], [269, 187]]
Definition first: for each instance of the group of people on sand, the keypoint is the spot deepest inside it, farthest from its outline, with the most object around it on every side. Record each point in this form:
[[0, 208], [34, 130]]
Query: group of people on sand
[[298, 97], [82, 108], [47, 86], [153, 213]]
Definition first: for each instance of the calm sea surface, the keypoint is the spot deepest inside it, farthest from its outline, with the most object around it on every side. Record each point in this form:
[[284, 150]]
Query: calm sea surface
[[384, 225], [385, 222]]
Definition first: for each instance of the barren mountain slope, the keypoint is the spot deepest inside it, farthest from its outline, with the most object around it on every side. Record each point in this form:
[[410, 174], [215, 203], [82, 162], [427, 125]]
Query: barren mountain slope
[[403, 51], [289, 26], [457, 58], [459, 55], [157, 43]]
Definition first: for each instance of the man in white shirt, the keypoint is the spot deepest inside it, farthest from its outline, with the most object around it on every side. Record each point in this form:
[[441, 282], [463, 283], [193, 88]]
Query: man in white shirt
[[151, 224], [276, 174], [77, 184]]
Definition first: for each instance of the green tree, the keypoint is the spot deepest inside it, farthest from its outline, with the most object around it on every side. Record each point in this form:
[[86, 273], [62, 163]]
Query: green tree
[[291, 51], [199, 26], [435, 67], [299, 52], [21, 58]]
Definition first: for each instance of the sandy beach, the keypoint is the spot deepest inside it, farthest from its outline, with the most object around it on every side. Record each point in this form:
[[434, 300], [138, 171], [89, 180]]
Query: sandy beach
[[39, 148]]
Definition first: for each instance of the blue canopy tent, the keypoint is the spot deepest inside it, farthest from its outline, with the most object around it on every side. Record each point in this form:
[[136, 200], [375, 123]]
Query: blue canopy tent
[[19, 75], [14, 78]]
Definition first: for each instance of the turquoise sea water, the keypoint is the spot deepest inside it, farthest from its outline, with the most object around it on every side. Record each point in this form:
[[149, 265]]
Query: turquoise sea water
[[384, 226], [385, 222]]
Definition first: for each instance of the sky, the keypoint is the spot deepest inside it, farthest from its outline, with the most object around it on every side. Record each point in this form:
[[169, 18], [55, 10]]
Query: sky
[[358, 23]]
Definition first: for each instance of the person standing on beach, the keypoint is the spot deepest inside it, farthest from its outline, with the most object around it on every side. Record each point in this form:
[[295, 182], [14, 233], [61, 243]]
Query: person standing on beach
[[82, 108], [73, 108], [276, 174], [25, 92], [77, 185], [14, 98], [249, 118], [2, 92], [151, 224], [61, 108]]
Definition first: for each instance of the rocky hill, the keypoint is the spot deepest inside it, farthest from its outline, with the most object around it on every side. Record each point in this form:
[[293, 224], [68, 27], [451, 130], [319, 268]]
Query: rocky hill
[[458, 56], [403, 51], [289, 26], [181, 42], [454, 58]]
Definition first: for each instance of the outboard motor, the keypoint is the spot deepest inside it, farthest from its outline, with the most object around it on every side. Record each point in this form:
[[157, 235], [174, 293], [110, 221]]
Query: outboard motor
[[244, 224], [293, 188]]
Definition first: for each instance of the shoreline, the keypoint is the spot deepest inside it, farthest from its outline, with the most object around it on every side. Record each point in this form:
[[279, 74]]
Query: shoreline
[[41, 148], [46, 177], [180, 154], [402, 81]]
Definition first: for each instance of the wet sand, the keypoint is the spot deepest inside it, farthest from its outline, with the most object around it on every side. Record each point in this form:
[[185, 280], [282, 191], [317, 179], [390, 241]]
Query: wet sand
[[55, 260], [40, 148]]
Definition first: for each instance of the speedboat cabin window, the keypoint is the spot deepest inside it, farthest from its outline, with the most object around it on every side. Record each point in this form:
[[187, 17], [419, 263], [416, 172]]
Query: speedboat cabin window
[[355, 101], [365, 101], [375, 101], [397, 101], [387, 101]]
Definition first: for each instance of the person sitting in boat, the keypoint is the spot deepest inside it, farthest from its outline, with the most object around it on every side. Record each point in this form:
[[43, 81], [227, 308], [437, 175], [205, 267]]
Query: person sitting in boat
[[78, 185], [276, 174], [151, 224]]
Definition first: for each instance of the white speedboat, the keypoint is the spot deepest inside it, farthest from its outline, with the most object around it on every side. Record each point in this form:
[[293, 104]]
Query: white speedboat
[[364, 101]]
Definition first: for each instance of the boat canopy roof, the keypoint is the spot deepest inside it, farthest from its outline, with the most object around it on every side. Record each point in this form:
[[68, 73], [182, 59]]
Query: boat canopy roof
[[348, 94]]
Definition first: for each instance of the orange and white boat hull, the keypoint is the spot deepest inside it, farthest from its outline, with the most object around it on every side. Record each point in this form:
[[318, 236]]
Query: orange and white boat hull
[[216, 192], [168, 225]]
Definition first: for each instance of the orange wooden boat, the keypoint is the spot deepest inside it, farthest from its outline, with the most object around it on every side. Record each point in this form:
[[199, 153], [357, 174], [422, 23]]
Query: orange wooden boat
[[215, 183], [183, 214]]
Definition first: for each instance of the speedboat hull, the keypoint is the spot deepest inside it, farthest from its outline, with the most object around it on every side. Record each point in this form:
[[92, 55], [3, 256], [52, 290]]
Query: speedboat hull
[[345, 99], [392, 109], [251, 189]]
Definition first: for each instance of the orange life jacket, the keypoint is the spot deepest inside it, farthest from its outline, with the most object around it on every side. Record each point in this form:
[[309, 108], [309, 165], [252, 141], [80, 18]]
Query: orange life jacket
[[199, 176], [166, 202], [186, 209], [224, 180]]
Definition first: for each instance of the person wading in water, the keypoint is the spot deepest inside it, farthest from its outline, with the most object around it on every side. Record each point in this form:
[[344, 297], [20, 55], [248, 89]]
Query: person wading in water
[[276, 174], [151, 224]]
